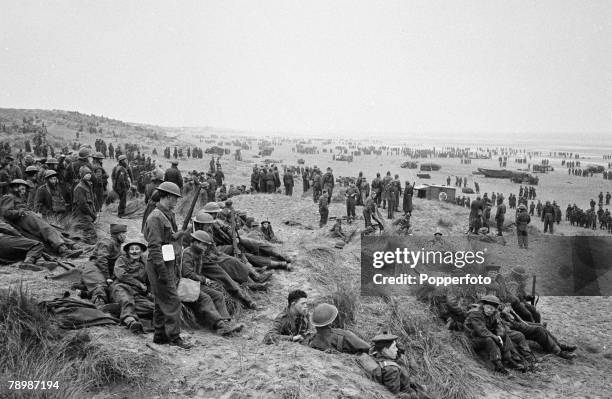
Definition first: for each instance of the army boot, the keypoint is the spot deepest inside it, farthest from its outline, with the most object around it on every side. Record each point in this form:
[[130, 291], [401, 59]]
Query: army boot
[[225, 328]]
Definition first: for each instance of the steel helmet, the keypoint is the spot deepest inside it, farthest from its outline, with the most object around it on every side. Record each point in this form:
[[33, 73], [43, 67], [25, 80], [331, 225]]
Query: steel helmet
[[31, 169], [121, 158], [135, 241], [84, 170], [203, 217], [51, 161], [50, 173], [16, 182], [324, 314], [202, 237], [29, 157], [98, 155], [491, 300], [170, 188], [211, 207], [84, 153]]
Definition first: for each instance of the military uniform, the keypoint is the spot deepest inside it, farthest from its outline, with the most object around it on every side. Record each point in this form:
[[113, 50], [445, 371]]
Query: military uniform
[[130, 288], [210, 306], [522, 220], [548, 217], [15, 247], [343, 341], [84, 211], [201, 266], [173, 174], [50, 201], [14, 210], [352, 194], [323, 210], [288, 182], [101, 267], [286, 326], [158, 231], [121, 176]]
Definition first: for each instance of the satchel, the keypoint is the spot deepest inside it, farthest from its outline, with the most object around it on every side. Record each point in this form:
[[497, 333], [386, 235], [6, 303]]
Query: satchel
[[188, 290]]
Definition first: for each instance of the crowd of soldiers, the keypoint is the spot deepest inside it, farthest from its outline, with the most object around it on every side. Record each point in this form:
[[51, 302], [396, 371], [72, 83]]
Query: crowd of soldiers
[[195, 153]]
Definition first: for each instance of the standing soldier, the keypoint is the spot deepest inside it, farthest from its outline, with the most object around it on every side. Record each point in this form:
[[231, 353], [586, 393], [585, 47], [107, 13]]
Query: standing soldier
[[608, 196], [500, 215], [122, 181], [352, 193], [84, 209], [539, 208], [288, 182], [163, 239], [531, 208], [323, 208], [407, 201], [522, 220], [316, 185], [173, 175], [377, 188], [328, 183], [101, 182], [391, 191], [386, 183], [219, 176], [358, 185], [548, 217], [398, 191]]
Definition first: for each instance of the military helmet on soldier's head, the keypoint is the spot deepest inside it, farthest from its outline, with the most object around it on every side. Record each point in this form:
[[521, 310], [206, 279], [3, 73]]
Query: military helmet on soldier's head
[[212, 207], [203, 217], [170, 188], [98, 155], [324, 314], [490, 299], [31, 169], [202, 237], [84, 153], [50, 173], [121, 158]]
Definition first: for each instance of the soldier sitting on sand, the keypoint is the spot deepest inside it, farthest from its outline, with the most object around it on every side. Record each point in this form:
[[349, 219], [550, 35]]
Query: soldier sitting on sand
[[292, 324], [391, 374], [327, 338]]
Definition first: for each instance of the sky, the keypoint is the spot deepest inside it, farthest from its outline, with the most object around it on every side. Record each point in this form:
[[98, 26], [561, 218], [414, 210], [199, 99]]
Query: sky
[[356, 68]]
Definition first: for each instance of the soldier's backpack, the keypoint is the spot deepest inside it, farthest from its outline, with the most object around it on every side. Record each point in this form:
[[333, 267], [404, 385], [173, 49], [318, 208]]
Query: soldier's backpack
[[374, 367]]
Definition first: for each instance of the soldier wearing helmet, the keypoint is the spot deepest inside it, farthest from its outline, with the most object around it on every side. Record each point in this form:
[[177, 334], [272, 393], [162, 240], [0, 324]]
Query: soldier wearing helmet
[[522, 220], [49, 198], [210, 308], [163, 237], [327, 338], [487, 333], [130, 288]]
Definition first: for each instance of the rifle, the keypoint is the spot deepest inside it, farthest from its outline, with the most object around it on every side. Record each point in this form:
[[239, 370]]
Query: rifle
[[533, 292], [194, 201], [234, 235]]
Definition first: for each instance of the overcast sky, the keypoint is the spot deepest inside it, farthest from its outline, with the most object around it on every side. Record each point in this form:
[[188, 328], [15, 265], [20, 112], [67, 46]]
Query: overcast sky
[[316, 66]]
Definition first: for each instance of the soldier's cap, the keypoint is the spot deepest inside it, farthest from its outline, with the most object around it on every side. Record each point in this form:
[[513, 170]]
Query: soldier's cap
[[490, 299], [121, 158], [174, 162], [118, 228], [522, 206], [384, 338], [31, 169], [228, 203], [98, 155], [28, 157], [438, 232], [18, 182], [265, 221], [135, 241]]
